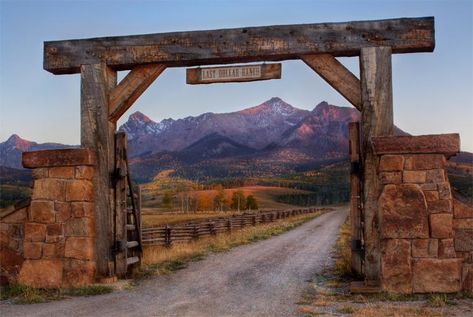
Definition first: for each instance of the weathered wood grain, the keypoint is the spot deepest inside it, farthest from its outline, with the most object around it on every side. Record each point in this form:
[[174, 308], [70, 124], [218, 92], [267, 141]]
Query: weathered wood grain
[[376, 120], [448, 144], [268, 43], [60, 157], [131, 88], [355, 195], [120, 211], [196, 76], [95, 134], [337, 76]]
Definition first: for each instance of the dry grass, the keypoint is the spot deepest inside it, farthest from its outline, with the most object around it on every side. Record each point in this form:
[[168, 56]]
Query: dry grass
[[22, 294], [376, 310], [162, 260], [343, 251]]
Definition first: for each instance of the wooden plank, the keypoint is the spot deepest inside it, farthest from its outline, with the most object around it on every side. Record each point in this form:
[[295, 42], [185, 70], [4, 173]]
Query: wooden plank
[[95, 135], [240, 45], [377, 120], [355, 195], [337, 76], [233, 74], [132, 260], [61, 157], [131, 88], [121, 209], [448, 144]]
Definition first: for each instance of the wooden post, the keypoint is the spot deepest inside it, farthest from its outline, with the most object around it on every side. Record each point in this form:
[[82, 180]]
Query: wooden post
[[120, 205], [97, 134], [355, 195], [377, 120]]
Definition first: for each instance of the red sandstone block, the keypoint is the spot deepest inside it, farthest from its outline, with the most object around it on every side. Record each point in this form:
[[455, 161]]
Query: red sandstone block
[[435, 176], [403, 212], [441, 226], [424, 248], [440, 206], [390, 178], [436, 275], [425, 162], [446, 248], [391, 163], [32, 250], [79, 227], [79, 190], [444, 190], [463, 240], [83, 209], [53, 250], [431, 195], [78, 272], [42, 211], [39, 173], [79, 248], [35, 232], [44, 273], [63, 211], [84, 172], [49, 188], [414, 177], [463, 223], [428, 186], [396, 271], [54, 229], [61, 172]]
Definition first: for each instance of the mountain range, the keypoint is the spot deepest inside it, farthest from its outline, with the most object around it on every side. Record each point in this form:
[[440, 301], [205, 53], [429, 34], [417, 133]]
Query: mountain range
[[269, 139]]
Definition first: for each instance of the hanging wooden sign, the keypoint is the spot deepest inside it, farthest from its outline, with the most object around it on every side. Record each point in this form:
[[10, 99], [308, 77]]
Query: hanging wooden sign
[[229, 74]]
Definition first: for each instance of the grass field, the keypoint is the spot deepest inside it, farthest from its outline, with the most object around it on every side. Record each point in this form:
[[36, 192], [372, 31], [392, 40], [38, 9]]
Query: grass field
[[265, 195]]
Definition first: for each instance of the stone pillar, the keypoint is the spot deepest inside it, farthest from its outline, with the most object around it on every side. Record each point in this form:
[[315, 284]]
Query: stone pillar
[[59, 230], [417, 223]]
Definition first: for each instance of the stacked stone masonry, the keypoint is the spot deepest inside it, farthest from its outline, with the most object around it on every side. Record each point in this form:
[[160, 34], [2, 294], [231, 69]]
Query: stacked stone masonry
[[426, 234], [50, 243]]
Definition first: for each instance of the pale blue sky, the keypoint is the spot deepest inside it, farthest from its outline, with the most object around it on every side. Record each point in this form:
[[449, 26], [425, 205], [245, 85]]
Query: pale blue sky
[[433, 92]]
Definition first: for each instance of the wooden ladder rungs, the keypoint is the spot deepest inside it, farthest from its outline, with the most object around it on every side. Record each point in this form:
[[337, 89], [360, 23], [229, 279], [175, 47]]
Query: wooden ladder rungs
[[132, 244], [130, 227], [132, 260]]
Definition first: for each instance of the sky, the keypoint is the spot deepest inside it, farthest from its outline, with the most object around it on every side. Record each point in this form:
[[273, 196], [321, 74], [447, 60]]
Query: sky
[[433, 92]]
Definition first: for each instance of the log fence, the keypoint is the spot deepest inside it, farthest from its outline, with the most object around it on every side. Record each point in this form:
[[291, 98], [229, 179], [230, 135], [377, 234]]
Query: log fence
[[185, 232]]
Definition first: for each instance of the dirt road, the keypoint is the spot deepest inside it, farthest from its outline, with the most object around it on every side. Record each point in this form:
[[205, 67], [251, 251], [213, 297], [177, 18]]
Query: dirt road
[[261, 279]]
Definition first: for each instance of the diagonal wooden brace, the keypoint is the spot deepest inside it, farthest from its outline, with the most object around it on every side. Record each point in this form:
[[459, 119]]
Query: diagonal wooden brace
[[337, 76], [131, 87]]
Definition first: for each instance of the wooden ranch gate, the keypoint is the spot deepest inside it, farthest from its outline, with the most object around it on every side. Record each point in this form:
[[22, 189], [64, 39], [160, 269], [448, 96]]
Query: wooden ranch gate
[[104, 100]]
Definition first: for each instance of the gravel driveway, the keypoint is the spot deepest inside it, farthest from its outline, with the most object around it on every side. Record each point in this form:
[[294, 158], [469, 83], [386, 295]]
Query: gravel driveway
[[261, 279]]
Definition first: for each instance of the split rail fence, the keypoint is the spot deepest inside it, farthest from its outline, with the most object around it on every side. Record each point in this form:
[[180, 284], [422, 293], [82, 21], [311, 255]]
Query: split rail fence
[[166, 235]]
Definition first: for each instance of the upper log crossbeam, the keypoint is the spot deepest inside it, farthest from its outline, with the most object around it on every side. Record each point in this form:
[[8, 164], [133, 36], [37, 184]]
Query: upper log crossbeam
[[269, 43]]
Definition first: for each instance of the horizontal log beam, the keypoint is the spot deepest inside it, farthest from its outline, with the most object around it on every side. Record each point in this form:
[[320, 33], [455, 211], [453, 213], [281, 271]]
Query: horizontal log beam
[[131, 88], [337, 76], [270, 43], [448, 144]]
